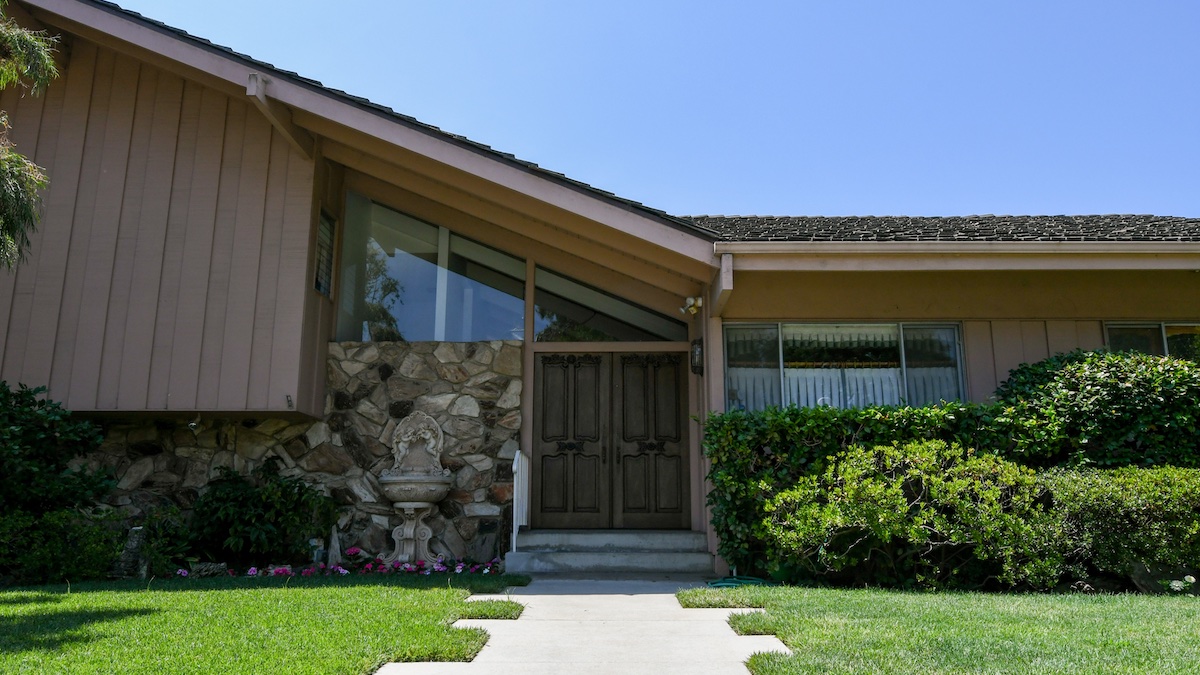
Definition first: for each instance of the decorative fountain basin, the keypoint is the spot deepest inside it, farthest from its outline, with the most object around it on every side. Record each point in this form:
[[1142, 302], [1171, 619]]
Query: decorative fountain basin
[[420, 488], [415, 484]]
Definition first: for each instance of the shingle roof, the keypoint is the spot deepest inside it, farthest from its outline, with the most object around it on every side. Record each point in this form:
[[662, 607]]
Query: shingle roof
[[412, 122], [1116, 228]]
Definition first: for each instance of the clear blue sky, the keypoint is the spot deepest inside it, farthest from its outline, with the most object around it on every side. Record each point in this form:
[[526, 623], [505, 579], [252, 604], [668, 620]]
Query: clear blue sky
[[874, 107]]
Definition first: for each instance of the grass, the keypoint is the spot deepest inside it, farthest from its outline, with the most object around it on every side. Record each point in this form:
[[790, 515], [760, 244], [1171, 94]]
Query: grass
[[347, 625], [875, 631]]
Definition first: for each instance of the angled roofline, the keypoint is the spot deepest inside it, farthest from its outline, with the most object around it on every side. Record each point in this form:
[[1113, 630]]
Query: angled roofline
[[292, 89]]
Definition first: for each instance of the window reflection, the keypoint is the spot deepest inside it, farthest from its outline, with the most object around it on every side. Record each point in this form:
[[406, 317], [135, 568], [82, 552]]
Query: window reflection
[[405, 279]]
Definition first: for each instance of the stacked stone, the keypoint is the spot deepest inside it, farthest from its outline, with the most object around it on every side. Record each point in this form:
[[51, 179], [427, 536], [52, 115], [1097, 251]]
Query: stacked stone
[[473, 390]]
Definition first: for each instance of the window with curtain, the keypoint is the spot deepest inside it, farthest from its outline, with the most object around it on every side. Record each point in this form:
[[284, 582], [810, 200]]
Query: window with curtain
[[841, 365]]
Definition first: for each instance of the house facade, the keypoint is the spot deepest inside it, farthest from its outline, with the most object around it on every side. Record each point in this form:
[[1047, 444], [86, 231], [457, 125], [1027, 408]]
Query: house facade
[[237, 264]]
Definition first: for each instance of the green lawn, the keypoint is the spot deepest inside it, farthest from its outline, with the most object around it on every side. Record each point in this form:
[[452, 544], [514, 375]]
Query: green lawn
[[346, 625], [874, 631]]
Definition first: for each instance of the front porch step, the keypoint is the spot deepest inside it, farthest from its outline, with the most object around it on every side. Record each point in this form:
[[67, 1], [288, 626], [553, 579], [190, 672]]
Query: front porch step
[[580, 551]]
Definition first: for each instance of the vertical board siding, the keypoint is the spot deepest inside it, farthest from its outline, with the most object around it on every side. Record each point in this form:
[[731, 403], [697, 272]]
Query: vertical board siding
[[243, 276], [29, 110], [261, 343], [220, 261], [101, 250], [137, 344], [170, 268], [173, 251], [122, 269], [979, 359], [291, 283], [62, 367], [1033, 341], [59, 222], [198, 253]]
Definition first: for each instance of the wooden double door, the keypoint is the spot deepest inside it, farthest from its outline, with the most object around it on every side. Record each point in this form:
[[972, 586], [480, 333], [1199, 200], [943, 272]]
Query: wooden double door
[[610, 446]]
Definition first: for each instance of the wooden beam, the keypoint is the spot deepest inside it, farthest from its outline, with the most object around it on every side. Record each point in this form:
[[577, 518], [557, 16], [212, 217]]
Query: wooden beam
[[722, 286], [278, 115]]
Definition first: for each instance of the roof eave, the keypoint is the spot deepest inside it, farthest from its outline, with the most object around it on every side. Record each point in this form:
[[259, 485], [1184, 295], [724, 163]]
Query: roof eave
[[959, 255]]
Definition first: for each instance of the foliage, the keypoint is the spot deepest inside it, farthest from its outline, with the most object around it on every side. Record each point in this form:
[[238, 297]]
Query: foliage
[[1027, 380], [1120, 519], [754, 455], [167, 544], [921, 514], [1113, 409], [239, 519], [38, 438], [380, 296], [26, 59], [61, 545]]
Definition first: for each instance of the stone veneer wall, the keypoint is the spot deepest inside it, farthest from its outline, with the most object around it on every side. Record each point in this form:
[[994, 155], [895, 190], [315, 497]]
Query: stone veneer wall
[[472, 389]]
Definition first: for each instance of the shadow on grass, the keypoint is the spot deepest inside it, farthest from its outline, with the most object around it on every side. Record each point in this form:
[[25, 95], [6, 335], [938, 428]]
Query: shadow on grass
[[51, 631], [27, 598], [470, 583]]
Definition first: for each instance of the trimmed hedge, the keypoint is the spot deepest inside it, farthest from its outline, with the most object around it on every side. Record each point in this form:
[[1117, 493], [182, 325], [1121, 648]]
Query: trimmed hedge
[[754, 455], [1121, 519], [929, 514], [1108, 410]]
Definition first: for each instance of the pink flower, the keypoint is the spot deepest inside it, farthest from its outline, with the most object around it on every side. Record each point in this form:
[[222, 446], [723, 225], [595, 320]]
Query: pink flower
[[181, 572], [353, 550], [306, 572], [252, 572]]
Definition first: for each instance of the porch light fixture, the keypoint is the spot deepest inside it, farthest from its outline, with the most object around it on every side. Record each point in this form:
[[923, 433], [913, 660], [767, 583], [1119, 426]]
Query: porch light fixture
[[696, 356], [692, 305]]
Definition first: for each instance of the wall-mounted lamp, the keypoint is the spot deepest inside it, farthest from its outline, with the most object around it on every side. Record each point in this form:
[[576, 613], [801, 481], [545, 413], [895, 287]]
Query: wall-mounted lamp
[[692, 306], [194, 425], [290, 403], [696, 356]]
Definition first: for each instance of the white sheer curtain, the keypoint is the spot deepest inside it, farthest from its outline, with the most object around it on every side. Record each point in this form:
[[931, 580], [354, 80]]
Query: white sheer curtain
[[841, 365]]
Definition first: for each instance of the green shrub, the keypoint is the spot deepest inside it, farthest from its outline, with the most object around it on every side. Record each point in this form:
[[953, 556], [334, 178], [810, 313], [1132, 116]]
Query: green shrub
[[1027, 380], [921, 514], [167, 546], [37, 440], [61, 545], [268, 517], [1122, 518], [1114, 409], [754, 455]]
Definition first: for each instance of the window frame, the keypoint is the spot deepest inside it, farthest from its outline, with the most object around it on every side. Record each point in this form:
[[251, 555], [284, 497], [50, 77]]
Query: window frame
[[778, 326], [1160, 325]]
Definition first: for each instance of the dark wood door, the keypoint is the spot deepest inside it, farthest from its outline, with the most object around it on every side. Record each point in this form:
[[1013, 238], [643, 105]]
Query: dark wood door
[[610, 447]]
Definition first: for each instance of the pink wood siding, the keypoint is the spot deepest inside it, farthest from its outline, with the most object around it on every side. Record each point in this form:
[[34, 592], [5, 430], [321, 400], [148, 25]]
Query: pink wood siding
[[170, 271], [992, 348]]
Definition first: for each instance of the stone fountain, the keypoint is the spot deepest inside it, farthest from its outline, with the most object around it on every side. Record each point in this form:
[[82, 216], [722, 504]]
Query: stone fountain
[[415, 484]]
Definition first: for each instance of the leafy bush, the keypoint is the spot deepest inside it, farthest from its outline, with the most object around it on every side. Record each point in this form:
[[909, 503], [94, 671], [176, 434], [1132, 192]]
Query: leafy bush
[[754, 455], [61, 545], [928, 514], [167, 546], [242, 520], [1027, 380], [37, 440], [1123, 518], [1113, 409]]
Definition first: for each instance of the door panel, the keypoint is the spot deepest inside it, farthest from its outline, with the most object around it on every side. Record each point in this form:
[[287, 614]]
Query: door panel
[[570, 465], [609, 441], [650, 447]]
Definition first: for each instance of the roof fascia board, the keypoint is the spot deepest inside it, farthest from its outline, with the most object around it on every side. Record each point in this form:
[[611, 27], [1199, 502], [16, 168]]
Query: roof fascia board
[[89, 19], [943, 255]]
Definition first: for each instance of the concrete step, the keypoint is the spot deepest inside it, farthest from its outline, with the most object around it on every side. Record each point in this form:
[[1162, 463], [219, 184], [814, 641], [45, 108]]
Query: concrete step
[[529, 562], [585, 551], [612, 540]]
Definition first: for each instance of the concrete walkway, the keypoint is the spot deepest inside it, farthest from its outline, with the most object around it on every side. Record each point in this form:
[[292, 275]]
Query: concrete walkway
[[590, 626]]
